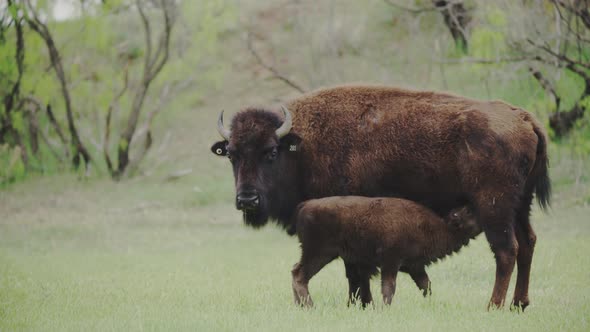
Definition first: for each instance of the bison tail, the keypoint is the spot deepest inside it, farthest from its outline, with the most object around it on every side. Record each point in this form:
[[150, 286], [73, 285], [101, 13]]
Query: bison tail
[[540, 171]]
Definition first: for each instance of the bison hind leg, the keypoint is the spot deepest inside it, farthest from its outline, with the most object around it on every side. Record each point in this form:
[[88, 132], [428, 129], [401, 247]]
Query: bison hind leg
[[388, 283], [496, 215], [526, 238]]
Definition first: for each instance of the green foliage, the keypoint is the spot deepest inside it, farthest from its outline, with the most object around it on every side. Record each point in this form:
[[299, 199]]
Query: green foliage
[[123, 144], [8, 68], [95, 49], [18, 121], [580, 136], [488, 41]]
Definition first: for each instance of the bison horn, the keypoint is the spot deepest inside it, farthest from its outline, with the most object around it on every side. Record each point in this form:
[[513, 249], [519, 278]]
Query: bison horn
[[287, 124], [222, 131]]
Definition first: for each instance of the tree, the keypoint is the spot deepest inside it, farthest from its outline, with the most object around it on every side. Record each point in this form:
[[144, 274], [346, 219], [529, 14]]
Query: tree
[[556, 41], [79, 150], [551, 36], [11, 86], [455, 15], [153, 62], [25, 13]]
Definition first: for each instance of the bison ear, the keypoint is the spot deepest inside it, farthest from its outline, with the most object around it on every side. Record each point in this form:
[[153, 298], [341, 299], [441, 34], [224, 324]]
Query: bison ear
[[291, 142], [219, 148]]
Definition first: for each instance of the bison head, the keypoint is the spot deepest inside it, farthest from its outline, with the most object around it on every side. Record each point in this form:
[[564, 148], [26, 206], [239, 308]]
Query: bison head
[[263, 154]]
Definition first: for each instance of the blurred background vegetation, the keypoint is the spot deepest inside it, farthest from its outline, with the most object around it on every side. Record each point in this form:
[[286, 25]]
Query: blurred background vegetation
[[131, 88]]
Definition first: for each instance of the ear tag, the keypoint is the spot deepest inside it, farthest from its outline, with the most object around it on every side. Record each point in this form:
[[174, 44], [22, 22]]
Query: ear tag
[[219, 151], [293, 148]]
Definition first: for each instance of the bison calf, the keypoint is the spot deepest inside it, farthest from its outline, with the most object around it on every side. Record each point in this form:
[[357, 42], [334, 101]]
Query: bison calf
[[390, 233]]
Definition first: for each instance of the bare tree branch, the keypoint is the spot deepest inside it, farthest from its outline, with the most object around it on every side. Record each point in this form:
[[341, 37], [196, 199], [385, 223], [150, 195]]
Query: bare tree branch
[[159, 60], [270, 68], [559, 56], [455, 15], [56, 127], [579, 8], [546, 85], [112, 104], [34, 111], [152, 66], [498, 60], [146, 130], [410, 9], [456, 18], [148, 36]]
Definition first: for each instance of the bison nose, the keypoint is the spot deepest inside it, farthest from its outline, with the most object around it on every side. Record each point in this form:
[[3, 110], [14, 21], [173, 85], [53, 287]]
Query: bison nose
[[247, 200]]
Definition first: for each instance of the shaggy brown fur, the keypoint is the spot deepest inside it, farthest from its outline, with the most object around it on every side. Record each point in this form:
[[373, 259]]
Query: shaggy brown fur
[[390, 233], [440, 150]]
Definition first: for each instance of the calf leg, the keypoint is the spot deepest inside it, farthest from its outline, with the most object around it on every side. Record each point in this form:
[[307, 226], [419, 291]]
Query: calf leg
[[299, 284], [302, 272], [526, 244], [421, 279], [359, 285], [353, 274], [388, 282], [365, 289]]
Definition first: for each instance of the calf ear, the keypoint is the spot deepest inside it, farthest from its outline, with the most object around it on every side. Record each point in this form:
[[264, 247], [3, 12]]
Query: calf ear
[[219, 148], [291, 142]]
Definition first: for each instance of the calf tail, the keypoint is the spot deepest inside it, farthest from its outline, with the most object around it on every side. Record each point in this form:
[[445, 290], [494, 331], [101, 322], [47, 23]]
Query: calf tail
[[540, 171]]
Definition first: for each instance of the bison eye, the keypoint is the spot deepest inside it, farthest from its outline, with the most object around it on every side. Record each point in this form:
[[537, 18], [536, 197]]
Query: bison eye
[[272, 154]]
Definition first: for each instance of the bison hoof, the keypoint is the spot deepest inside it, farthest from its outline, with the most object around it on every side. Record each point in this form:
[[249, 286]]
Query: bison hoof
[[519, 305]]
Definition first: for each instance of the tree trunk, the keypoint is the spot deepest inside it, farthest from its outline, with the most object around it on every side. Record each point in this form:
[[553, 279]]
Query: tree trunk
[[456, 18], [562, 122], [78, 148]]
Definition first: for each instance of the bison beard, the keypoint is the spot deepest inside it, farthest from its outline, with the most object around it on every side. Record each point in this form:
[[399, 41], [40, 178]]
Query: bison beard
[[256, 218]]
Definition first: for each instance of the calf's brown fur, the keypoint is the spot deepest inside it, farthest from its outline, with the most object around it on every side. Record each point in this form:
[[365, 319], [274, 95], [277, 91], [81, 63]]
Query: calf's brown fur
[[390, 233]]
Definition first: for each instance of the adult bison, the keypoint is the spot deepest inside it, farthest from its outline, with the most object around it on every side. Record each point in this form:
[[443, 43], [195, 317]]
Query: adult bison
[[438, 149]]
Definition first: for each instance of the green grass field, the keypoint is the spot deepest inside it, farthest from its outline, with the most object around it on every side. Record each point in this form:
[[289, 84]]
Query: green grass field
[[103, 256]]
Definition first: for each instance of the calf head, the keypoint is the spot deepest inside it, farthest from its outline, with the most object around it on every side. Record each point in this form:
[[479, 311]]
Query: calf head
[[463, 220], [263, 154]]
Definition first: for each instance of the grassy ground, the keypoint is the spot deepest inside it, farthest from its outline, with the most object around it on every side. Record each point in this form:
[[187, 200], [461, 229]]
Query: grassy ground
[[148, 254], [143, 256]]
